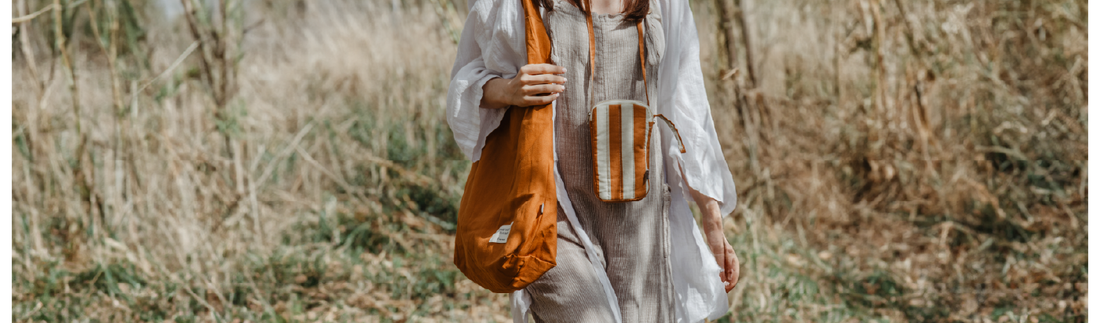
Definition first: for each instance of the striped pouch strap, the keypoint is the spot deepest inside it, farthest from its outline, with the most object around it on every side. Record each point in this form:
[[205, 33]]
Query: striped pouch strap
[[592, 55], [683, 149], [645, 78]]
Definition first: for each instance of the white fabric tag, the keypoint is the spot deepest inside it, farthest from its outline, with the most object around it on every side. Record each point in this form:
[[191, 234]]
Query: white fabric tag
[[501, 236]]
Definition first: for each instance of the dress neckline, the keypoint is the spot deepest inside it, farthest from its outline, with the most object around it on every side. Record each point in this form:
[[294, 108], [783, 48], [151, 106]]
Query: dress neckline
[[575, 9]]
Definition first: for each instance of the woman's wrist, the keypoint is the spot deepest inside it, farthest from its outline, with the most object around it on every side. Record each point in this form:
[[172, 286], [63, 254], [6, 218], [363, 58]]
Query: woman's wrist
[[493, 93], [708, 205], [711, 215]]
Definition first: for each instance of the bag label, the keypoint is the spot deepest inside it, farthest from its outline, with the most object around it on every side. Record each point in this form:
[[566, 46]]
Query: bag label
[[501, 236]]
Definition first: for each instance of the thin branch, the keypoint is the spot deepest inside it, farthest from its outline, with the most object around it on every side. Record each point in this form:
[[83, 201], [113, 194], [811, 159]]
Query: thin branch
[[739, 12], [725, 25], [179, 60], [339, 181], [219, 54], [30, 17], [282, 154], [59, 36], [74, 4], [28, 52], [108, 50], [189, 14]]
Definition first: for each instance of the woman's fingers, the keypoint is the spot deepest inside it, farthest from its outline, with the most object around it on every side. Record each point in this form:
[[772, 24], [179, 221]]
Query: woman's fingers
[[542, 89], [542, 79], [531, 100], [724, 262], [732, 267], [535, 69], [534, 74], [537, 84], [717, 243]]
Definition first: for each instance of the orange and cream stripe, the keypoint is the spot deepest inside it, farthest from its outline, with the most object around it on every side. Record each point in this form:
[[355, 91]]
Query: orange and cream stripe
[[621, 140]]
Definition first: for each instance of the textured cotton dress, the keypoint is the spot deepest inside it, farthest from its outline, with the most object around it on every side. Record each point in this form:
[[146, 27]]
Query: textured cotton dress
[[631, 238]]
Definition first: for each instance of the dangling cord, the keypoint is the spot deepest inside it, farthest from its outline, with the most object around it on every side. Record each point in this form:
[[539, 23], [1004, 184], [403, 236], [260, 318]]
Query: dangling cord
[[683, 149]]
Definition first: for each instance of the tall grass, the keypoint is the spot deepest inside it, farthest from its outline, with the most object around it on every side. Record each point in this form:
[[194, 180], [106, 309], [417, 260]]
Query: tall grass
[[915, 163], [920, 161]]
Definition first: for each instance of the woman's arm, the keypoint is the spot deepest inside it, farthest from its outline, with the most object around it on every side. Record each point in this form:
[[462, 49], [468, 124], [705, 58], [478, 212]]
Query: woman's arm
[[536, 84], [703, 168], [716, 238]]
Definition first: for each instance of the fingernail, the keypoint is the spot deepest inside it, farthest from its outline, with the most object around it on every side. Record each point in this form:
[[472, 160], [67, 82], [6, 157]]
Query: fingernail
[[563, 70]]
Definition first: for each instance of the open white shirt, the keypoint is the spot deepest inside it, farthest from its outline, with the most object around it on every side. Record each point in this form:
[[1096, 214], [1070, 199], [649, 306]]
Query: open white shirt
[[493, 45]]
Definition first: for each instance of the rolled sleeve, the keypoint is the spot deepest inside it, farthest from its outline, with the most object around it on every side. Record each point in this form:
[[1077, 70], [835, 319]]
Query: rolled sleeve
[[464, 112]]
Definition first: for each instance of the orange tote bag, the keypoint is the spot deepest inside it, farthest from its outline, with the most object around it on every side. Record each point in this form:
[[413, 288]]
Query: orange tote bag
[[507, 220]]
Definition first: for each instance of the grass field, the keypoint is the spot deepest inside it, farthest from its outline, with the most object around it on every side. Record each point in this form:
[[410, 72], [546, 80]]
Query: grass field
[[896, 161]]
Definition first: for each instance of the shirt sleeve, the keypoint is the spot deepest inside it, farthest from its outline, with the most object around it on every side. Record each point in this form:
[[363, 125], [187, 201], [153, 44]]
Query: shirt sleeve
[[488, 49], [704, 165], [464, 112]]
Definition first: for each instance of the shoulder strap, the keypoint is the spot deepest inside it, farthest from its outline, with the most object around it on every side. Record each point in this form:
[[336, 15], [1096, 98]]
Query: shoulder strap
[[538, 41], [641, 56], [645, 77], [592, 56]]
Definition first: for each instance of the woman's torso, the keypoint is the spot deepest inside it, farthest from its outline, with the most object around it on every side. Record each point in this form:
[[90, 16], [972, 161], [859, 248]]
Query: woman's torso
[[631, 239], [618, 76]]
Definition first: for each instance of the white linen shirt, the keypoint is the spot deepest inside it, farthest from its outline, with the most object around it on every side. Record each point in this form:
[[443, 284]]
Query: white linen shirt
[[493, 45]]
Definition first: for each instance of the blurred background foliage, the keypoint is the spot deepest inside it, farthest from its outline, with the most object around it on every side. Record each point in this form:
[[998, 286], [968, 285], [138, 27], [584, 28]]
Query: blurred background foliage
[[287, 161]]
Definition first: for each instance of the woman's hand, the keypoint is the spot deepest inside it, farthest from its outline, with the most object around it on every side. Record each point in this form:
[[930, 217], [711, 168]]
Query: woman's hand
[[536, 84], [716, 239]]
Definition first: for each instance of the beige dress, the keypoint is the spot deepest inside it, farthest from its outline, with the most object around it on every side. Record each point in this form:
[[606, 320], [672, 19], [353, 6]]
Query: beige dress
[[631, 238]]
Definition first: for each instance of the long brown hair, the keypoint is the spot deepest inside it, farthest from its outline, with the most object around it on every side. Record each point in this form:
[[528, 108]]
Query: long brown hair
[[635, 9]]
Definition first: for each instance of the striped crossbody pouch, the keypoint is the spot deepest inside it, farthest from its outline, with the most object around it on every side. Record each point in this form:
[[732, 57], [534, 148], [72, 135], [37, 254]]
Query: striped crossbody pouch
[[620, 136]]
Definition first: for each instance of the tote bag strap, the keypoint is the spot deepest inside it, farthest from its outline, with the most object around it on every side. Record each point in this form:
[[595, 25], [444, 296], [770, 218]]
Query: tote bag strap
[[536, 38]]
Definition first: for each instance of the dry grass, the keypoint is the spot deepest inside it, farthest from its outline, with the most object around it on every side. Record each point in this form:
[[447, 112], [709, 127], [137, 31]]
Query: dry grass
[[943, 182]]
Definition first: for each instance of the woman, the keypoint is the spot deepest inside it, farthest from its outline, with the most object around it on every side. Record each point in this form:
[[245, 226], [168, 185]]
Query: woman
[[641, 261]]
